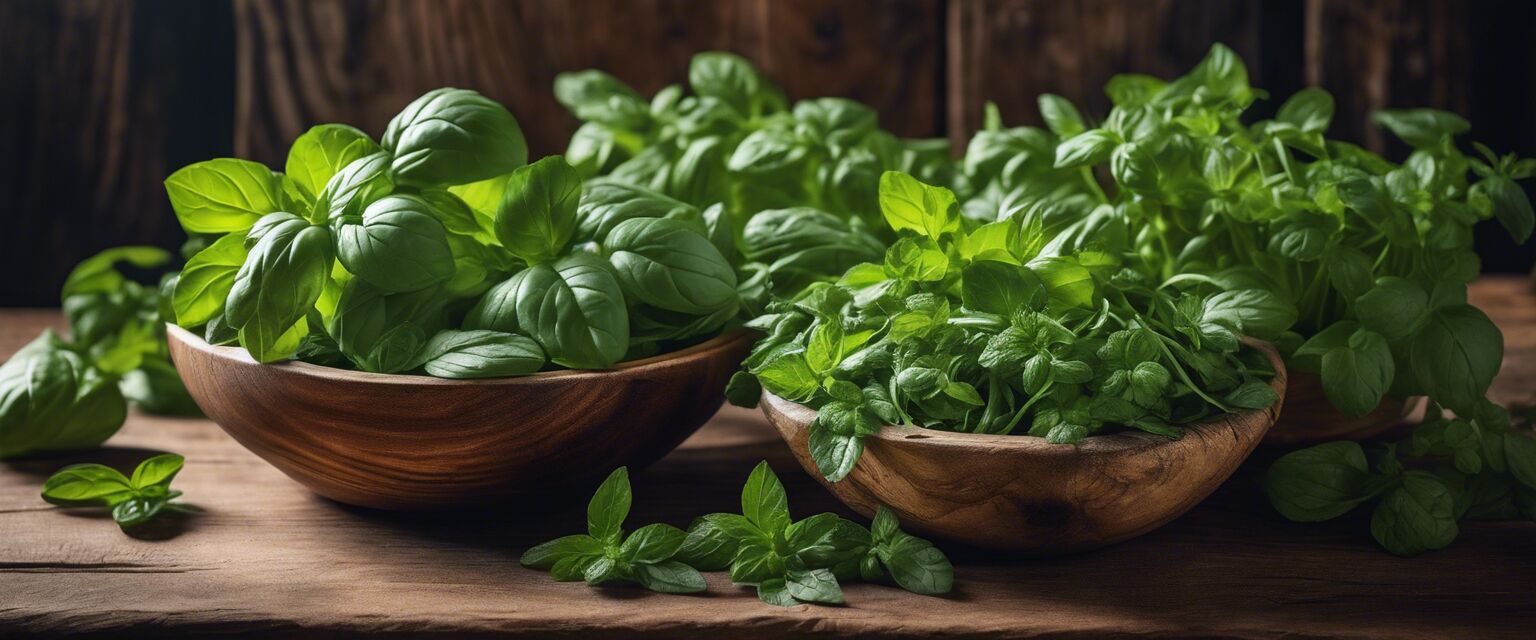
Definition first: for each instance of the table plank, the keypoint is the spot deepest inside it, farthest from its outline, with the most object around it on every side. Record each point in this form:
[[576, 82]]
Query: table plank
[[268, 557]]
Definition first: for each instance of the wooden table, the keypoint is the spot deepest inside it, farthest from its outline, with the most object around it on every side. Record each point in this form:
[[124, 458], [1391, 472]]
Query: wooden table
[[268, 558]]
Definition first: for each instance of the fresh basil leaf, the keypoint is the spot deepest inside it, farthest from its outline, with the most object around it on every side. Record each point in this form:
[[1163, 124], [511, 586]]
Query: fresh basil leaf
[[574, 308], [453, 136], [1356, 376], [1455, 354], [1090, 147], [652, 544], [322, 151], [546, 555], [1416, 516], [460, 354], [813, 585], [669, 265], [1520, 455], [357, 185], [609, 507], [916, 565], [1392, 308], [709, 546], [1421, 128], [278, 284], [537, 216], [910, 204], [669, 577], [726, 77], [206, 280], [834, 453], [763, 501], [1309, 110], [223, 195], [1320, 483], [397, 245], [1060, 116], [1506, 201], [1260, 313], [158, 470], [138, 510], [743, 390], [87, 484]]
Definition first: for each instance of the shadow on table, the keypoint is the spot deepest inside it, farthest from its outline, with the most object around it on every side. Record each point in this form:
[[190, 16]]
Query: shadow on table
[[170, 523], [42, 465]]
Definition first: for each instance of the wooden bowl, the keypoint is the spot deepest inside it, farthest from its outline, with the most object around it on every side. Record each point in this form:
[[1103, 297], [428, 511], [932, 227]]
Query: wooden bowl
[[1310, 419], [416, 442], [1022, 494]]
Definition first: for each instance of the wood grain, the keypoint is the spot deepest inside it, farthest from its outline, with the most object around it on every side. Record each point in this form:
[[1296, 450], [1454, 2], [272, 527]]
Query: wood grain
[[1011, 51], [1309, 418], [269, 559], [99, 100], [1020, 493], [416, 442]]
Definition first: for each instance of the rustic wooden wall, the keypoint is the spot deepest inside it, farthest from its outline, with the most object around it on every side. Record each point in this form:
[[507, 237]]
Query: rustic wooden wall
[[100, 99]]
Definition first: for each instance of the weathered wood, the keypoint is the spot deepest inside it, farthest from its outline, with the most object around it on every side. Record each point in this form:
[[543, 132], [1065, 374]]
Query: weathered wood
[[101, 99], [268, 558], [416, 442], [1011, 51], [303, 62]]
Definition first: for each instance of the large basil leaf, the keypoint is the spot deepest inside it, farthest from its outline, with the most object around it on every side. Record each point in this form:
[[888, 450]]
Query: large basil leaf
[[206, 280], [52, 399], [383, 332], [910, 204], [537, 216], [322, 151], [223, 195], [670, 265], [480, 354], [1455, 354], [726, 77], [605, 204], [453, 136], [1356, 375], [594, 96], [278, 285], [397, 245], [356, 186], [573, 307]]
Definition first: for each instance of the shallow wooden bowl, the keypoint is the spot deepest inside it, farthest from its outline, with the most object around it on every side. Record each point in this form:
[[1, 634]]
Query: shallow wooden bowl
[[1310, 419], [415, 442], [1022, 494]]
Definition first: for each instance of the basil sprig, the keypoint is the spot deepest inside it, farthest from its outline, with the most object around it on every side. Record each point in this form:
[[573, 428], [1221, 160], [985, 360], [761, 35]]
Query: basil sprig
[[133, 500], [788, 562]]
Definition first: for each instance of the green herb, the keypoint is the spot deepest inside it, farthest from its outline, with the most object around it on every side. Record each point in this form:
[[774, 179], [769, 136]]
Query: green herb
[[58, 394], [1374, 256], [133, 501], [605, 554], [799, 180], [439, 251], [788, 562], [986, 327]]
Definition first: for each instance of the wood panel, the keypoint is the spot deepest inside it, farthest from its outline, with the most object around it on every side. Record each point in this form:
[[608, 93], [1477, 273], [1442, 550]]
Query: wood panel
[[1011, 51], [101, 99], [268, 559], [301, 62]]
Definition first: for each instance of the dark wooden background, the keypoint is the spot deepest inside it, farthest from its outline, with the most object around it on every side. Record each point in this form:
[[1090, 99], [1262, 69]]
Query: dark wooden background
[[101, 99]]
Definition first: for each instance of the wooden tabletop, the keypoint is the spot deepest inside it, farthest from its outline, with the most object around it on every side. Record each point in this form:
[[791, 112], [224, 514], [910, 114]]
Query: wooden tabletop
[[268, 558]]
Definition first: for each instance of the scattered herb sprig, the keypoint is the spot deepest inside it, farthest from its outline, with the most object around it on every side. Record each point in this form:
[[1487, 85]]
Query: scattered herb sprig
[[59, 393], [787, 561], [133, 500], [1374, 256]]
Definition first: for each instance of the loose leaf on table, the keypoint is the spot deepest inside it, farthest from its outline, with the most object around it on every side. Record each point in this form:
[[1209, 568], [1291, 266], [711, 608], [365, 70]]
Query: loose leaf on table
[[133, 501]]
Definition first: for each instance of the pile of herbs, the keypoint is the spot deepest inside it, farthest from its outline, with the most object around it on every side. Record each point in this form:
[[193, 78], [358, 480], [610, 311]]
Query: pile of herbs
[[1374, 256], [788, 562], [437, 250], [799, 180], [60, 393], [990, 328]]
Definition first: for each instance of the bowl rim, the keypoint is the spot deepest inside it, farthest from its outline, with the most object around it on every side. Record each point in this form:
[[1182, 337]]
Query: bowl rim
[[713, 345], [1122, 441]]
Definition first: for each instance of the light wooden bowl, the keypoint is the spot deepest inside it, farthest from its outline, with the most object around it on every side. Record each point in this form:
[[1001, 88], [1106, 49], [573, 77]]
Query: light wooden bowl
[[1310, 419], [1022, 494], [415, 442]]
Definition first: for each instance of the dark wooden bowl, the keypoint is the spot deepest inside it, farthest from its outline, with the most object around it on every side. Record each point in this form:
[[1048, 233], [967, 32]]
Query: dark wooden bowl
[[415, 442], [1022, 494], [1310, 419]]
